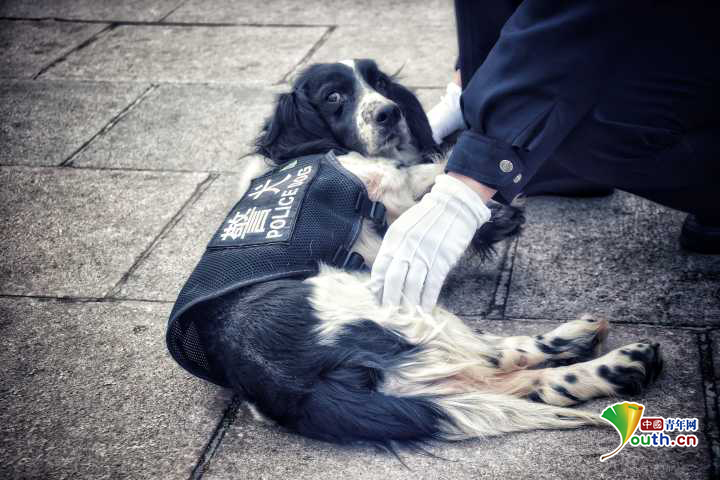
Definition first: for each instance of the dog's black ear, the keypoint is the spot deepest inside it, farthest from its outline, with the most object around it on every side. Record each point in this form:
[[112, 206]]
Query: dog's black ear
[[415, 116], [295, 129], [268, 143]]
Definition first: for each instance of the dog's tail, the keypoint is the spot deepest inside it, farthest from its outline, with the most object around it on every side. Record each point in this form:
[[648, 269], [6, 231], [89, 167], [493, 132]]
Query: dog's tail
[[342, 408], [505, 221], [479, 414]]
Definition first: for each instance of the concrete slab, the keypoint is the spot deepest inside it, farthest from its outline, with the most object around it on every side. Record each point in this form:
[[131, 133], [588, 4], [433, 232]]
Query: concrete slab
[[190, 54], [712, 384], [163, 273], [715, 342], [184, 127], [44, 123], [429, 97], [248, 445], [88, 391], [133, 10], [70, 232], [617, 256], [427, 53], [470, 287], [315, 12], [27, 47]]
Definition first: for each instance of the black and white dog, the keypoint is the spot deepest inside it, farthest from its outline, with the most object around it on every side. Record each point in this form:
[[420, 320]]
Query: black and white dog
[[322, 357]]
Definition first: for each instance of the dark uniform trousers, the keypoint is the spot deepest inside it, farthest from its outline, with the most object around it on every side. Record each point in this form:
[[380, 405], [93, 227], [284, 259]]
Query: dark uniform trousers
[[618, 94]]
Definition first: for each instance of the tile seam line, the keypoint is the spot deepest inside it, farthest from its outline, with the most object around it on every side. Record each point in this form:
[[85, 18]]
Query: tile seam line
[[698, 328], [64, 55], [163, 23], [147, 170], [273, 88], [216, 438], [174, 9], [513, 255], [200, 189], [72, 299], [111, 123], [305, 58], [94, 168], [502, 279], [559, 318], [708, 382]]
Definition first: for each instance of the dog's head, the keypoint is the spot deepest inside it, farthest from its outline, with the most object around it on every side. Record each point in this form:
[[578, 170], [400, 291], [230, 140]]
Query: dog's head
[[347, 106]]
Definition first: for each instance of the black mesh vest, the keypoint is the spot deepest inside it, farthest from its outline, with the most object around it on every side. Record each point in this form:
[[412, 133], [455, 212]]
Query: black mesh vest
[[310, 210]]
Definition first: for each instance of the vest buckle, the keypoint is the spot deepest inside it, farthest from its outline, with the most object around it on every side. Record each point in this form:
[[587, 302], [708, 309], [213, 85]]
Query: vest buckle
[[374, 211], [348, 260]]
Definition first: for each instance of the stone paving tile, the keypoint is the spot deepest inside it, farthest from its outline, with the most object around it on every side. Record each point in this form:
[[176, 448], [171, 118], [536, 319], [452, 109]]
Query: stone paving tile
[[27, 47], [256, 450], [470, 287], [429, 97], [70, 232], [88, 391], [617, 256], [712, 384], [127, 10], [428, 53], [44, 123], [190, 54], [184, 127], [715, 341], [163, 273], [314, 12]]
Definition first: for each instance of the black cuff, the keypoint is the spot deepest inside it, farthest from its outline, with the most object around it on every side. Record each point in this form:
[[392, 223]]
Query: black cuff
[[489, 161]]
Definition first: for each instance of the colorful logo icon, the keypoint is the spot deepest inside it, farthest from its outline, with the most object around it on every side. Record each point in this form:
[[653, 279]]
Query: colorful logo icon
[[625, 417]]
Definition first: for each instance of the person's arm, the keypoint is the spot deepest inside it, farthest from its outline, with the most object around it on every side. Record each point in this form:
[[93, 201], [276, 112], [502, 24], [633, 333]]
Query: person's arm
[[543, 75], [485, 192]]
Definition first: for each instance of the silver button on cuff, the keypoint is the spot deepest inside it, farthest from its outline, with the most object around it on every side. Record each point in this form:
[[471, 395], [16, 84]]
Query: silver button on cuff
[[517, 178], [506, 166]]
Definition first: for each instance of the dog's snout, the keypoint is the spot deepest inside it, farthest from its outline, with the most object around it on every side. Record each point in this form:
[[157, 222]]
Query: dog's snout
[[387, 115]]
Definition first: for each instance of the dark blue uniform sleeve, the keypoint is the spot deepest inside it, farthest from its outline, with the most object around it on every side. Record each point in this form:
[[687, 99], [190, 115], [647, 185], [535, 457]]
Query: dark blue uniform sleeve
[[542, 76]]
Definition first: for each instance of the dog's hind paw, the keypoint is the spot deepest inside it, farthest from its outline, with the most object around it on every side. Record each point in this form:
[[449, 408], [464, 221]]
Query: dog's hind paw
[[631, 368], [578, 340]]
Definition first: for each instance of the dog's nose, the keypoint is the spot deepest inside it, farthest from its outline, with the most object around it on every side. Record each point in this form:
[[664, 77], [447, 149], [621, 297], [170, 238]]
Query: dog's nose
[[387, 115]]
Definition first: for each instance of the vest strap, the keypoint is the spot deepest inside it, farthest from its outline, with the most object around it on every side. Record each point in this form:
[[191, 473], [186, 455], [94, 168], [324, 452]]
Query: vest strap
[[374, 211], [348, 260]]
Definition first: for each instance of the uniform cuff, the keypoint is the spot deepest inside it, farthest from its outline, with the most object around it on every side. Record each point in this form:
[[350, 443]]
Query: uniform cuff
[[487, 160]]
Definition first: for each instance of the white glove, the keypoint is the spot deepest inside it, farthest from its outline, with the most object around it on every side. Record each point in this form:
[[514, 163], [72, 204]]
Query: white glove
[[446, 117], [425, 242]]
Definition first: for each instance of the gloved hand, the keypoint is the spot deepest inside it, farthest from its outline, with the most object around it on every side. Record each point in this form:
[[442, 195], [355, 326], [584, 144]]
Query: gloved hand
[[446, 117], [425, 242]]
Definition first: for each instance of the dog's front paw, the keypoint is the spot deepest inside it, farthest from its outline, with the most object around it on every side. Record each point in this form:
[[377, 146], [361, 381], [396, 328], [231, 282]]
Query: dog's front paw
[[505, 221]]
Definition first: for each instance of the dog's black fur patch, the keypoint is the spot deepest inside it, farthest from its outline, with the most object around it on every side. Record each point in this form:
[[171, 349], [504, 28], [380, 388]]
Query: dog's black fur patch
[[264, 339]]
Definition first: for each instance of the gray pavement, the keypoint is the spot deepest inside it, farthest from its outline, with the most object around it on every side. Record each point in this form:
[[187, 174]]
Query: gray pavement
[[123, 127]]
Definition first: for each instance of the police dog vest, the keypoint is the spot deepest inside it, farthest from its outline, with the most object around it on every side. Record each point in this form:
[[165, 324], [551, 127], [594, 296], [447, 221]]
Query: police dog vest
[[308, 211]]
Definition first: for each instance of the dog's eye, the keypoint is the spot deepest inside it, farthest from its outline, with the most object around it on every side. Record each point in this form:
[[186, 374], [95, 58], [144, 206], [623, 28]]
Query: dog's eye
[[381, 84], [334, 97]]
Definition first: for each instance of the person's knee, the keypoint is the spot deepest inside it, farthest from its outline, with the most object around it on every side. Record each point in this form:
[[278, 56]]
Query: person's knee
[[617, 151]]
